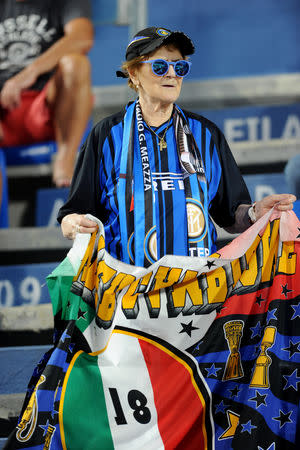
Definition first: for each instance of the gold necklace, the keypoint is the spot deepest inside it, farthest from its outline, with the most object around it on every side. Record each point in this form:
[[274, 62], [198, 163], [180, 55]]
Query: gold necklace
[[162, 141]]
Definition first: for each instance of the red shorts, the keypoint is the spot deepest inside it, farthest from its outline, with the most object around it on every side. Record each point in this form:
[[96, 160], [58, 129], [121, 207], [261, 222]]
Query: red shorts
[[30, 122]]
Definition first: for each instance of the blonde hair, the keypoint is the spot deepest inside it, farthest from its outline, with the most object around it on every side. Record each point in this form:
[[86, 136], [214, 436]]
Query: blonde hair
[[136, 62], [132, 64]]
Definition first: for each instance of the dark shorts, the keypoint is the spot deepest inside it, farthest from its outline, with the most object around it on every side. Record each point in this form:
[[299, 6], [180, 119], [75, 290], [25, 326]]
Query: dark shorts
[[30, 122]]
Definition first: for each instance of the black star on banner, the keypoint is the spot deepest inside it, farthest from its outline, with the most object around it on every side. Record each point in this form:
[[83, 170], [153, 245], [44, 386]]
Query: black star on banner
[[210, 264], [285, 290], [283, 418], [259, 299], [298, 234], [188, 328], [292, 348], [234, 392], [259, 399], [81, 314]]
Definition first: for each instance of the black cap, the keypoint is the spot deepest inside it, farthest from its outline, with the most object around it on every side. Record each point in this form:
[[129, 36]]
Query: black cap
[[147, 40]]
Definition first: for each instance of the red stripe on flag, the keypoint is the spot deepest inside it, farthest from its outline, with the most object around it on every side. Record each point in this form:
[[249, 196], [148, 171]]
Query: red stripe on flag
[[179, 408], [284, 287], [131, 204]]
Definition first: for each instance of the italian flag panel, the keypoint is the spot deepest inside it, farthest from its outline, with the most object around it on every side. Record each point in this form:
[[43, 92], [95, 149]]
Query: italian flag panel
[[143, 394]]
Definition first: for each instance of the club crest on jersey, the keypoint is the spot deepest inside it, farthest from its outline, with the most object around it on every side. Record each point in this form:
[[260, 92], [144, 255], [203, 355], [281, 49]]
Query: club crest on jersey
[[197, 227], [162, 32], [150, 246], [130, 247]]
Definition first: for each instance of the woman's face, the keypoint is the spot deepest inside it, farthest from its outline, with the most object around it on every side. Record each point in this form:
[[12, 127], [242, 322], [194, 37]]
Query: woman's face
[[159, 89]]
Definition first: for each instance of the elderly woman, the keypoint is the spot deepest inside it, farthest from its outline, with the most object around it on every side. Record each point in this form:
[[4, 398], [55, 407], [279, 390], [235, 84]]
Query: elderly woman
[[154, 174]]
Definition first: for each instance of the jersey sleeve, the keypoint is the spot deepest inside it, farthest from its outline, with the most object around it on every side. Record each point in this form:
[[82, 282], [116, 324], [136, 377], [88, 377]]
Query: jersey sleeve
[[74, 9], [231, 189], [84, 194]]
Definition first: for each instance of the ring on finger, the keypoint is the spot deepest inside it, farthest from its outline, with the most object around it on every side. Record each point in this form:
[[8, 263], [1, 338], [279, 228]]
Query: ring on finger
[[77, 228]]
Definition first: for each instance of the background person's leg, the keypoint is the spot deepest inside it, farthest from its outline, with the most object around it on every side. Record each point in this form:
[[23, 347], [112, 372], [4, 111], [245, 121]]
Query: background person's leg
[[20, 126], [70, 96]]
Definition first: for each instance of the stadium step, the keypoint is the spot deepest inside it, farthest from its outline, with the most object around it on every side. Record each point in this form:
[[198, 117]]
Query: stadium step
[[19, 363], [21, 329], [26, 325], [32, 245]]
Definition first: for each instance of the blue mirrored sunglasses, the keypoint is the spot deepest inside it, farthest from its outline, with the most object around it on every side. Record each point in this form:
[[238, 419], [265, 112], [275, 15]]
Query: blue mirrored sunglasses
[[160, 67]]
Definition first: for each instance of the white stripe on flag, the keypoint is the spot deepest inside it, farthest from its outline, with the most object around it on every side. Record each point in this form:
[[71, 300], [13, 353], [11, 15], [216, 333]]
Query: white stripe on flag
[[125, 357]]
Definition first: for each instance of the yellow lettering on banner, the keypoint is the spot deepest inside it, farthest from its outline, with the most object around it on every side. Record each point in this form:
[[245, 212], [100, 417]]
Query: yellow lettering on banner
[[101, 243], [191, 288], [236, 271], [287, 259], [91, 280], [164, 277], [86, 268], [153, 303], [249, 275], [105, 272], [106, 308], [130, 297], [215, 255], [269, 240], [126, 281], [217, 286]]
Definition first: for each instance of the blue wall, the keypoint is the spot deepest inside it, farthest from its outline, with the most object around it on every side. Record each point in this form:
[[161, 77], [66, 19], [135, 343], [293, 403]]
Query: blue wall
[[232, 38], [108, 53], [255, 123]]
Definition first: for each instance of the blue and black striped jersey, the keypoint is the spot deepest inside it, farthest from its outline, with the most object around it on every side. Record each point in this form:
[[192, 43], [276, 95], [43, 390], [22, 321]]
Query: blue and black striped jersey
[[95, 184]]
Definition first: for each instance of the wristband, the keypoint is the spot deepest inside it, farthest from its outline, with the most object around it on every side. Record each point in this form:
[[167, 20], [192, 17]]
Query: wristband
[[251, 213]]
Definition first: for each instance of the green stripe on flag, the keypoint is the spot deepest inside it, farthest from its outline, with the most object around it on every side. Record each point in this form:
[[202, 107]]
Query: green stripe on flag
[[59, 282], [68, 304], [84, 415]]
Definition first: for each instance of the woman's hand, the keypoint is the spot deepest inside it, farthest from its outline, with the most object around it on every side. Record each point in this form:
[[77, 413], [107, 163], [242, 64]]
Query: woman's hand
[[281, 202], [77, 223]]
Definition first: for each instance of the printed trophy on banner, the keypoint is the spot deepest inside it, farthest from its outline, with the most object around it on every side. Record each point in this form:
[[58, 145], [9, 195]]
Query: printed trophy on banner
[[260, 376], [233, 333]]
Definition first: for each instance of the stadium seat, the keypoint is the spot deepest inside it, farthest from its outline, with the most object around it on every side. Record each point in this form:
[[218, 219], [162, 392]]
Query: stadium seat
[[4, 196], [24, 284], [261, 185], [48, 202], [40, 153]]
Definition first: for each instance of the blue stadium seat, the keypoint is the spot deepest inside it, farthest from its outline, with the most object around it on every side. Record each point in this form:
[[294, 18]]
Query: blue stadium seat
[[261, 185], [4, 221], [48, 202], [24, 284], [19, 363], [40, 153]]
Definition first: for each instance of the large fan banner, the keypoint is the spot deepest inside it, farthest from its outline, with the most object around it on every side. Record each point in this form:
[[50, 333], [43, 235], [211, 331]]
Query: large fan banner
[[190, 353]]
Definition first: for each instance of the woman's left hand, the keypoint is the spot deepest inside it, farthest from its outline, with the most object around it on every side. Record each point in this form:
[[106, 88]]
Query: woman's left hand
[[281, 202]]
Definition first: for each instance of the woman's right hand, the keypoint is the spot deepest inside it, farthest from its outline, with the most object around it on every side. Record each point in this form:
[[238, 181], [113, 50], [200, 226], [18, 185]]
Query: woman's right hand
[[77, 223]]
